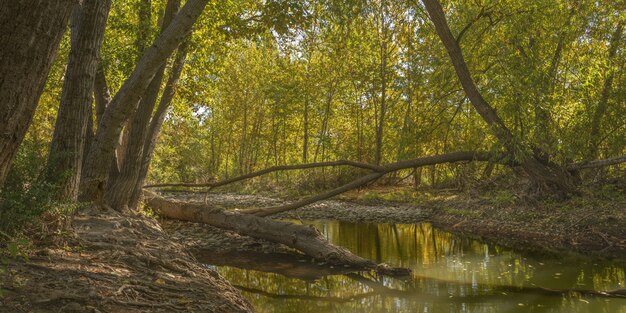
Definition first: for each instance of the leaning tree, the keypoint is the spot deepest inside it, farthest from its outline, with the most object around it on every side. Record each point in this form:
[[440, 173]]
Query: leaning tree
[[541, 171]]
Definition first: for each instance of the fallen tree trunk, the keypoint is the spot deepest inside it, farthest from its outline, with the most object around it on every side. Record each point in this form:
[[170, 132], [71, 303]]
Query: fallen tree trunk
[[271, 170], [303, 238], [377, 171]]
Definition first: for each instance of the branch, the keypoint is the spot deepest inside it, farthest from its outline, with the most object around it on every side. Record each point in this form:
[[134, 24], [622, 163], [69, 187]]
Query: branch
[[271, 170], [597, 163], [361, 181], [381, 170]]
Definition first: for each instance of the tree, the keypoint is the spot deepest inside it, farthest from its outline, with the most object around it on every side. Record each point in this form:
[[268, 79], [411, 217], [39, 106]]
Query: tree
[[94, 177], [122, 186], [544, 173], [30, 32], [66, 152]]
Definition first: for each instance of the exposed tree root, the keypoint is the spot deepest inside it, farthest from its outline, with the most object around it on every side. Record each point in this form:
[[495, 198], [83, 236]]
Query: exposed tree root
[[116, 263]]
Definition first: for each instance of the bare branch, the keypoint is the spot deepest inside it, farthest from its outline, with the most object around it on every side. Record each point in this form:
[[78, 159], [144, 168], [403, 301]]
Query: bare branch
[[597, 163], [271, 170], [382, 170]]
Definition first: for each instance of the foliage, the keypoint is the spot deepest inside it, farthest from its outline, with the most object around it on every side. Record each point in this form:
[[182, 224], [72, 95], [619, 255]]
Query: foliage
[[283, 82], [542, 66]]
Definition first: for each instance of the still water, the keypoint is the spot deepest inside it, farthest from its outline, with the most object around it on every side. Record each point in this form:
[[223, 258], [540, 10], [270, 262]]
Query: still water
[[450, 274]]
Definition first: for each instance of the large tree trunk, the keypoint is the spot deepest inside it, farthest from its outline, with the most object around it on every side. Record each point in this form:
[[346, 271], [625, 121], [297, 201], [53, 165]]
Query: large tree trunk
[[542, 173], [121, 189], [126, 100], [304, 238], [102, 95], [66, 151], [30, 32]]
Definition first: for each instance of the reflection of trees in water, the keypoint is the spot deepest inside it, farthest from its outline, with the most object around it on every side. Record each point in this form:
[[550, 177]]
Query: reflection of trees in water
[[372, 292], [405, 244], [450, 272]]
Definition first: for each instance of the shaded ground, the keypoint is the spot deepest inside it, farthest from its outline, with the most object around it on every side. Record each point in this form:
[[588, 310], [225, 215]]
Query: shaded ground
[[592, 224], [115, 263]]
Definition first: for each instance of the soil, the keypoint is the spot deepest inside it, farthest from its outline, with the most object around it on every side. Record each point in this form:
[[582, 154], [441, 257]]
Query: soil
[[112, 262]]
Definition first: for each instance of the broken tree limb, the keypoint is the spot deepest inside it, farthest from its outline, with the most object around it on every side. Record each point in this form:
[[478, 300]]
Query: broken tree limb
[[306, 239], [361, 181], [377, 171], [382, 170], [271, 170], [597, 163]]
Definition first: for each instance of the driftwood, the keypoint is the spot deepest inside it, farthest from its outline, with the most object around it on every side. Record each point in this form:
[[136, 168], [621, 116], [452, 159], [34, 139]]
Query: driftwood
[[305, 239]]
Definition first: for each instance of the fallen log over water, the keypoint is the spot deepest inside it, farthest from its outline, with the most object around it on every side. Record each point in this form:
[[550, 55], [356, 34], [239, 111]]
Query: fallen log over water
[[305, 239]]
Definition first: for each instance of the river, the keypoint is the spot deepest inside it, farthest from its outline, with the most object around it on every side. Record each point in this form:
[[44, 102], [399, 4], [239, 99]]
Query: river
[[451, 273]]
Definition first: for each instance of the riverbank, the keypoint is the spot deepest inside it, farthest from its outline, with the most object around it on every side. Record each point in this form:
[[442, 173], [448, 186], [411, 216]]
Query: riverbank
[[111, 262], [592, 224]]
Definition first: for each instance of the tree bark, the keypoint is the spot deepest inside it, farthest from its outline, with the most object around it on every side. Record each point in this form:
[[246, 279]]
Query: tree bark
[[126, 100], [30, 32], [68, 143], [545, 174], [306, 239], [597, 163], [121, 189], [102, 95]]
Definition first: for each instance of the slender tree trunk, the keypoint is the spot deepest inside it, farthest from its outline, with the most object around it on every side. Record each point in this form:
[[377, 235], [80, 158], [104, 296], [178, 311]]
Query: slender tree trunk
[[327, 112], [68, 143], [30, 32], [543, 137], [417, 177], [546, 174], [242, 141], [594, 133], [126, 100], [305, 139], [380, 125], [157, 121], [142, 42], [120, 191]]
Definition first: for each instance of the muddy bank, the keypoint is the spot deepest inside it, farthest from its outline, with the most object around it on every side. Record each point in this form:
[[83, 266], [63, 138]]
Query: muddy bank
[[591, 225], [108, 262]]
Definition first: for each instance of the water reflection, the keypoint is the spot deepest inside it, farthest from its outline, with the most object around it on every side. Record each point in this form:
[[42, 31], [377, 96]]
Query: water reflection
[[451, 274]]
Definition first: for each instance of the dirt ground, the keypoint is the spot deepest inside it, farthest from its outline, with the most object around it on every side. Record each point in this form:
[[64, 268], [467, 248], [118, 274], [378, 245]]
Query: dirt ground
[[108, 262]]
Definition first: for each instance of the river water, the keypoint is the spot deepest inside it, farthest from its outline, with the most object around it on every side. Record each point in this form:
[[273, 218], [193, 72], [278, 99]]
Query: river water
[[451, 273]]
